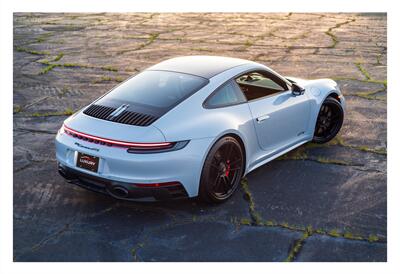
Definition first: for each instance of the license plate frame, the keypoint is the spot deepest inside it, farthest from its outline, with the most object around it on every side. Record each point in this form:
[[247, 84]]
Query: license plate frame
[[88, 162]]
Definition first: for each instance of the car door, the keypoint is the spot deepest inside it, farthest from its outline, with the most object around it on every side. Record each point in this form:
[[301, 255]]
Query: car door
[[280, 118]]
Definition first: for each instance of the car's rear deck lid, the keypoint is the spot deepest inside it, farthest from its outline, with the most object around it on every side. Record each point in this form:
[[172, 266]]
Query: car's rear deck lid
[[120, 114]]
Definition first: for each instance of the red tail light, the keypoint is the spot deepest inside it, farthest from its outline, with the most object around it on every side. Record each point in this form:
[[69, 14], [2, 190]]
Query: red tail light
[[111, 142], [158, 184]]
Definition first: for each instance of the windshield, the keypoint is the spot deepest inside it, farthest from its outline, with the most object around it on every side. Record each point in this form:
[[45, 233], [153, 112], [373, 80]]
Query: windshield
[[157, 89]]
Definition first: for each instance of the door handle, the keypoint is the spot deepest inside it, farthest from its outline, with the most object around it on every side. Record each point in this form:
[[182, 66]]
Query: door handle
[[262, 118]]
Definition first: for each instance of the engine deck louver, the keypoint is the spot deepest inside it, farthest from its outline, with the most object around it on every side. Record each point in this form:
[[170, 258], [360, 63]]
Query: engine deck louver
[[98, 111], [126, 117]]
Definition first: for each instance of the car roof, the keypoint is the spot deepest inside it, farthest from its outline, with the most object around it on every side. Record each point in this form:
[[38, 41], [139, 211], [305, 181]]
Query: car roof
[[204, 66]]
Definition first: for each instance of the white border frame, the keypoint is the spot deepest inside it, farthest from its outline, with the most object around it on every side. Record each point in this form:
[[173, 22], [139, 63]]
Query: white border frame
[[6, 139]]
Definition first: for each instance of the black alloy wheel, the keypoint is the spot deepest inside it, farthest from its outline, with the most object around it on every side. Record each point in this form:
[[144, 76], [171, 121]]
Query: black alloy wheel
[[329, 121], [222, 170]]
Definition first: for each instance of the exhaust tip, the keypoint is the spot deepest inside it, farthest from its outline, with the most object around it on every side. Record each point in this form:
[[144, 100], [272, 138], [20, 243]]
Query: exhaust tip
[[65, 174], [119, 191]]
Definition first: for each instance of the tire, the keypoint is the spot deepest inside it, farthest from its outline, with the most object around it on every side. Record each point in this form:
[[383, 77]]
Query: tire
[[329, 121], [222, 171]]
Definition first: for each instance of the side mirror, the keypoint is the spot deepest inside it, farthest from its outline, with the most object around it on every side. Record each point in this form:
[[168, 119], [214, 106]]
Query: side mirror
[[297, 90]]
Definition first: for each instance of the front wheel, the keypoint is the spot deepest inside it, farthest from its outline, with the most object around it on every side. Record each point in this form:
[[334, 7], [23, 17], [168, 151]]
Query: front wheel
[[329, 121], [222, 171]]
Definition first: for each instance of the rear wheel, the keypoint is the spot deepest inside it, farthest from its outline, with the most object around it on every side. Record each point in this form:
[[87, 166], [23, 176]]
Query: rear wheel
[[222, 170], [329, 121]]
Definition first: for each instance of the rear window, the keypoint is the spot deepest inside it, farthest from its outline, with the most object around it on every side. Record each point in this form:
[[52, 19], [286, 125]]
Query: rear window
[[158, 89]]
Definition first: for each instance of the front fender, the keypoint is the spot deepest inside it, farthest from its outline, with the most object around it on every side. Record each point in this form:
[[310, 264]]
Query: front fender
[[318, 91]]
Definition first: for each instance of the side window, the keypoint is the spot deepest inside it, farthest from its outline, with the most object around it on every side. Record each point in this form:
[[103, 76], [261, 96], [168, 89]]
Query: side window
[[226, 95], [255, 85]]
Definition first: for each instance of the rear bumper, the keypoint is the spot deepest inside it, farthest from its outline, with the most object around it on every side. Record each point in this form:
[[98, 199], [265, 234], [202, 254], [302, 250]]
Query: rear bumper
[[121, 190], [116, 165]]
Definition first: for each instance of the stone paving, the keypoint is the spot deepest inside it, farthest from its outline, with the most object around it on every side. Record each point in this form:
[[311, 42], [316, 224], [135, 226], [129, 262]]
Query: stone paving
[[318, 203]]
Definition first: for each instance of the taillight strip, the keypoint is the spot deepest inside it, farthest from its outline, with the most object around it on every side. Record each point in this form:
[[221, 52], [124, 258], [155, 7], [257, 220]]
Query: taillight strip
[[116, 142], [151, 185]]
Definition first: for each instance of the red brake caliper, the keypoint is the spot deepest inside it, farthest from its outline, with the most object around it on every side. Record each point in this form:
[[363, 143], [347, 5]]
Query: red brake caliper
[[228, 168]]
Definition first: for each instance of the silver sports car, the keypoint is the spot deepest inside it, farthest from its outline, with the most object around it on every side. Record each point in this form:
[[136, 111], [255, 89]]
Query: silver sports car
[[193, 126]]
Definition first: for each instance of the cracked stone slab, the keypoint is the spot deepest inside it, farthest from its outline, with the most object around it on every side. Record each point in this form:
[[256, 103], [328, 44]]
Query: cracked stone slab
[[33, 146], [49, 125], [376, 71], [216, 242], [80, 246], [365, 123], [337, 154], [347, 156], [327, 249], [38, 234], [325, 196], [352, 87]]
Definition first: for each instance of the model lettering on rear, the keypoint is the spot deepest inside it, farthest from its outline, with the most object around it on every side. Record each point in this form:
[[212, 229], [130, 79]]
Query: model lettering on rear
[[91, 148]]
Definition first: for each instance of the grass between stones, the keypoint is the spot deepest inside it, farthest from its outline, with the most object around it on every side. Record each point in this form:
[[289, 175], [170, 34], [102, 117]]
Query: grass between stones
[[58, 57], [298, 154], [370, 95], [301, 154], [108, 68], [350, 236], [134, 251], [363, 71], [17, 109], [31, 51], [152, 37], [255, 216], [257, 220], [338, 140], [298, 244], [50, 66], [103, 79], [324, 160], [43, 37], [382, 82], [378, 59], [334, 38], [248, 43], [66, 112]]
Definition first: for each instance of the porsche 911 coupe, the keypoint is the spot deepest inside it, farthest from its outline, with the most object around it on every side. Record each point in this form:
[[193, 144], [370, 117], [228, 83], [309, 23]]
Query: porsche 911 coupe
[[193, 126]]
